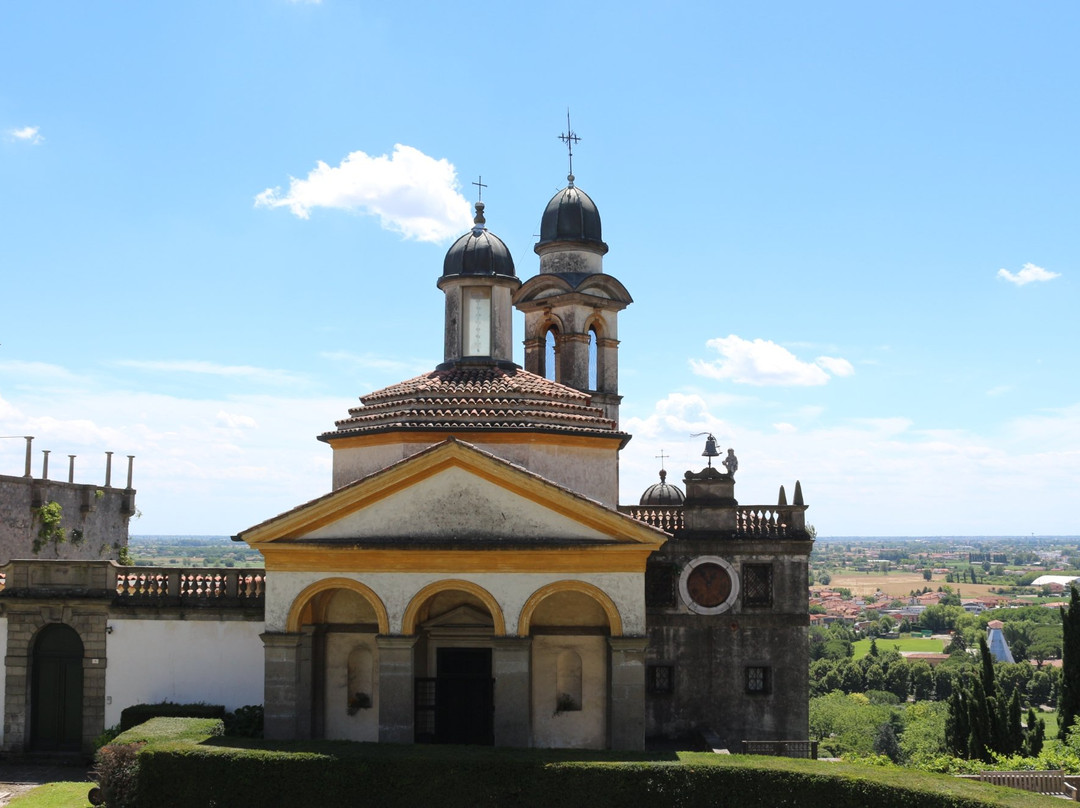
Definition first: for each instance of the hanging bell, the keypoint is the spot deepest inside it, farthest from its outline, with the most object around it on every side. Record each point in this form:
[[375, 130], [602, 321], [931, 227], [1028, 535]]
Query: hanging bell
[[710, 449]]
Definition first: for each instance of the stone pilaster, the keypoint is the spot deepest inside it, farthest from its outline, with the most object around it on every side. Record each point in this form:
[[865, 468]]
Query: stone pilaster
[[511, 667], [287, 686], [396, 683], [627, 707]]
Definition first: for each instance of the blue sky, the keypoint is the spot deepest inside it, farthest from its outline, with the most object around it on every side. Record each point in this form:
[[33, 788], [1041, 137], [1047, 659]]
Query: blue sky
[[849, 229]]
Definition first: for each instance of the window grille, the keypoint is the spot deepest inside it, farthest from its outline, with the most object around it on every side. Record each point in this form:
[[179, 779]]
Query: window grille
[[661, 679], [757, 680], [660, 585], [757, 584]]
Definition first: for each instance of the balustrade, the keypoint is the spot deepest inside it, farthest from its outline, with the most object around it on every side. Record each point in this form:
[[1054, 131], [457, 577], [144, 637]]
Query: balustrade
[[191, 585]]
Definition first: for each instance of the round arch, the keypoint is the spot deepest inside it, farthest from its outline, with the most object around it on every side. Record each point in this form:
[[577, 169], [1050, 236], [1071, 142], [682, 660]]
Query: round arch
[[581, 587], [301, 602], [408, 622]]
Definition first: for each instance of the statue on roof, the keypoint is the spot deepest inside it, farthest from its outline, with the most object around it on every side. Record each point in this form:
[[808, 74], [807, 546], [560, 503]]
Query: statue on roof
[[731, 462]]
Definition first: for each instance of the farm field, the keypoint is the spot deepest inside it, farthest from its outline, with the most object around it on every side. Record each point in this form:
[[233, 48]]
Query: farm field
[[925, 645], [900, 584]]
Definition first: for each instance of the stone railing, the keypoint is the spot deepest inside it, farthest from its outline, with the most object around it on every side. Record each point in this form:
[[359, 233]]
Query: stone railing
[[766, 521], [189, 585], [762, 521], [667, 518]]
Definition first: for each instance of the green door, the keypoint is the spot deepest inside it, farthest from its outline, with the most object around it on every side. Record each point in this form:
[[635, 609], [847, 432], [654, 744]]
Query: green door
[[56, 690]]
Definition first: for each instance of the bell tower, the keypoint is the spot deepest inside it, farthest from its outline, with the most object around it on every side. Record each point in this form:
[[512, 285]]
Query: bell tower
[[571, 308], [478, 281]]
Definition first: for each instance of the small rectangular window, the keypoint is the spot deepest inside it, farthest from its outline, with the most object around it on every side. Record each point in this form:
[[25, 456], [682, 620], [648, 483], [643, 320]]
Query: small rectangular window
[[757, 680], [757, 584], [660, 581], [661, 679]]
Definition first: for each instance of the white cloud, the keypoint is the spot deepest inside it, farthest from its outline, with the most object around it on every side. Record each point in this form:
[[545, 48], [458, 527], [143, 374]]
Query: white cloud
[[763, 362], [370, 361], [232, 420], [267, 375], [28, 134], [835, 365], [882, 476], [411, 193], [1028, 274]]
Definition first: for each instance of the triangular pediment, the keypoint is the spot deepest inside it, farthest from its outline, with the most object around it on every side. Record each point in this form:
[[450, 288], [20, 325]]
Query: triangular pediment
[[464, 616], [454, 493]]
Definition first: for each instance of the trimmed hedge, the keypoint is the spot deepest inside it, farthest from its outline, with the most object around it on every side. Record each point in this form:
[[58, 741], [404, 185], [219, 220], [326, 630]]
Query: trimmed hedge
[[140, 713], [216, 771]]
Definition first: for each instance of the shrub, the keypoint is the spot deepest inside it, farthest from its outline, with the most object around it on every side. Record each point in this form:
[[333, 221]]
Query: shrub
[[140, 713], [116, 768], [246, 722]]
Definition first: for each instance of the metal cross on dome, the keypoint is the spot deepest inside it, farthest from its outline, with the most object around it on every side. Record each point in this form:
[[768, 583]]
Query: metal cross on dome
[[480, 186], [662, 457], [570, 138]]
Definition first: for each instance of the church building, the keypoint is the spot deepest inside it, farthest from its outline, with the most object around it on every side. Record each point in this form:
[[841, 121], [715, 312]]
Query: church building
[[471, 578]]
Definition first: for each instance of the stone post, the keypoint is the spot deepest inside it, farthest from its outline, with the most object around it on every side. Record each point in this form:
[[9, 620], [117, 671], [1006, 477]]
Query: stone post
[[511, 667], [108, 469], [131, 467], [626, 710], [287, 687], [71, 468], [45, 464], [29, 441], [396, 684]]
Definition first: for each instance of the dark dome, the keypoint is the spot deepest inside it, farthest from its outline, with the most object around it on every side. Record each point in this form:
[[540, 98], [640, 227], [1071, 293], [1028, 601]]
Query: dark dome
[[661, 494], [571, 216], [478, 252]]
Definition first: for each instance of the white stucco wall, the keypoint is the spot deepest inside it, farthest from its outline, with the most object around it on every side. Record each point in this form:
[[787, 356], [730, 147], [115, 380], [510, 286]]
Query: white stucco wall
[[592, 472], [578, 729], [455, 503], [511, 590], [363, 725], [217, 662]]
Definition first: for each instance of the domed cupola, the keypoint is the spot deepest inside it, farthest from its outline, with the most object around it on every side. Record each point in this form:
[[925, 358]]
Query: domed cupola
[[478, 281], [478, 252], [571, 216], [661, 494]]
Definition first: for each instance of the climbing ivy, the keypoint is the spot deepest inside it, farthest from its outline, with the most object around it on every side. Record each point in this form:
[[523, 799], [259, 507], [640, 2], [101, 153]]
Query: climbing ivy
[[48, 517]]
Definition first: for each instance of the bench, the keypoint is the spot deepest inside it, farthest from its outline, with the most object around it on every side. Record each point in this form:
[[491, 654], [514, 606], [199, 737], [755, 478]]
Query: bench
[[794, 749], [1049, 782]]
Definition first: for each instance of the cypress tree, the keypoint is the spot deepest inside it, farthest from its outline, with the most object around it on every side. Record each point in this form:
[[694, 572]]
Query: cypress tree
[[979, 720], [1035, 734], [957, 727], [1069, 704], [1015, 735]]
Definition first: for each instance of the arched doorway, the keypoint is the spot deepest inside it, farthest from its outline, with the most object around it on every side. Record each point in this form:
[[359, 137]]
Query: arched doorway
[[56, 691], [455, 622]]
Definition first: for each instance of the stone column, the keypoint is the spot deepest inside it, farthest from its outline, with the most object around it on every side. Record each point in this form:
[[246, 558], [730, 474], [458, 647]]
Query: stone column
[[627, 705], [287, 686], [511, 668], [396, 684]]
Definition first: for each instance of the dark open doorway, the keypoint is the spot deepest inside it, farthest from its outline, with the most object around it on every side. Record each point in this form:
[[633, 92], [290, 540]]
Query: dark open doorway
[[56, 690], [462, 700]]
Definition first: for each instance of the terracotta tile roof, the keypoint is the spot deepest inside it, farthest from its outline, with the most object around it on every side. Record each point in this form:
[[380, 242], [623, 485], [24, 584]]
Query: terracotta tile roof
[[476, 398]]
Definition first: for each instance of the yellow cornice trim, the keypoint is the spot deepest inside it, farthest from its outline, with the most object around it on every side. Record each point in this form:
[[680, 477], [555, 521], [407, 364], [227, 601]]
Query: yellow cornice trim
[[595, 558], [452, 454], [302, 600], [582, 587], [408, 622]]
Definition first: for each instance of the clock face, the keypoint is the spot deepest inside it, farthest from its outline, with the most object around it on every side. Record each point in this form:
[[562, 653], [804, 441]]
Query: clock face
[[709, 585]]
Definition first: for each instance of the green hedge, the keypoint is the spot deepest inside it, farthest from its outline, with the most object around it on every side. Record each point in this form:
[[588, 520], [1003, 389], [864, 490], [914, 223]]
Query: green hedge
[[217, 771], [139, 713]]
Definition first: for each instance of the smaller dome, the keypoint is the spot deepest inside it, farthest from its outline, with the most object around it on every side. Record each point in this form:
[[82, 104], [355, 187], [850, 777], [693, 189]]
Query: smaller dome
[[478, 252], [661, 494], [571, 216]]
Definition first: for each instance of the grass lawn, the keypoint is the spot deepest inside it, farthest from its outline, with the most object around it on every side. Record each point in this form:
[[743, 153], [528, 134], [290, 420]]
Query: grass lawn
[[919, 644], [54, 795]]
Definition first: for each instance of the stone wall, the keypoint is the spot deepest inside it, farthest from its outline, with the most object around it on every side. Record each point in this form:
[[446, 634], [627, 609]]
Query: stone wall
[[94, 519]]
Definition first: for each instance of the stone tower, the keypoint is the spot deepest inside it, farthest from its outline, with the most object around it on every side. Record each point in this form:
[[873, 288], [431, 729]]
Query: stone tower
[[571, 308]]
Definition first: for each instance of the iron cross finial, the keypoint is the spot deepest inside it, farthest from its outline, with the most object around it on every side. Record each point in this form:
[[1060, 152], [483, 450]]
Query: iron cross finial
[[662, 457], [480, 186], [570, 138]]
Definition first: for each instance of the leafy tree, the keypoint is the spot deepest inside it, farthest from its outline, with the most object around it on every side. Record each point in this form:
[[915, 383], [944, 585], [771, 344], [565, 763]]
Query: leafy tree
[[921, 677], [1070, 664], [927, 575], [1035, 735], [898, 679]]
